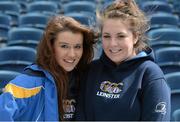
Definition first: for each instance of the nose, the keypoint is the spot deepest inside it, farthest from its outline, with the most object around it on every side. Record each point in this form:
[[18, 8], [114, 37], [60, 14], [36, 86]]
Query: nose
[[72, 52], [113, 42]]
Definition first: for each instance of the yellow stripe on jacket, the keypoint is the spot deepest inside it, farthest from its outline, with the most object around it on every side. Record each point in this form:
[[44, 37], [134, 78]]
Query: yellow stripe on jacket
[[21, 92]]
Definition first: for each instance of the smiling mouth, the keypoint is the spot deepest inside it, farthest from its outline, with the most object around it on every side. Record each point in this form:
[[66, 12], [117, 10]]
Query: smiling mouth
[[69, 61], [115, 51]]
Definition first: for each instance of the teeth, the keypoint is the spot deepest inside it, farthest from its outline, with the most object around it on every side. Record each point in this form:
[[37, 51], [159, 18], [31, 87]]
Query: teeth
[[115, 51], [70, 61]]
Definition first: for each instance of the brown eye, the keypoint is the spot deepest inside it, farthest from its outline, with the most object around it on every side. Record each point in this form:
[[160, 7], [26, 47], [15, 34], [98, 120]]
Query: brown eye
[[78, 46], [64, 46], [121, 36], [106, 36]]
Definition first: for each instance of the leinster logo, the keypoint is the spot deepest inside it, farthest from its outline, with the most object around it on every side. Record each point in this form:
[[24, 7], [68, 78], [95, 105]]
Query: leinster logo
[[110, 90], [161, 108], [109, 87], [69, 108]]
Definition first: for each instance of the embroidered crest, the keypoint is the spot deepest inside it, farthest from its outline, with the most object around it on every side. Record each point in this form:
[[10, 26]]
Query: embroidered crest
[[69, 108], [109, 87], [161, 108]]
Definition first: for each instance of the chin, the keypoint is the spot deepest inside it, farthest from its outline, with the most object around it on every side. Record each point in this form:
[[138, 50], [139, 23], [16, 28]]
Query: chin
[[69, 70], [117, 61]]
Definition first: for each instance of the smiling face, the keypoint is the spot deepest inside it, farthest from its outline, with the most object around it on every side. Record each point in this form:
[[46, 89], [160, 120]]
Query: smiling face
[[68, 48], [118, 40]]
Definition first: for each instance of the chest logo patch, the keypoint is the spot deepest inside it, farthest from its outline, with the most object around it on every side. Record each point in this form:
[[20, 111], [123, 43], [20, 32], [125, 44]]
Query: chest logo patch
[[69, 108], [109, 87], [110, 90]]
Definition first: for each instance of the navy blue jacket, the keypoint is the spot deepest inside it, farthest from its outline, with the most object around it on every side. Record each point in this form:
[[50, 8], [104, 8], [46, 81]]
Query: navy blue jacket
[[134, 90]]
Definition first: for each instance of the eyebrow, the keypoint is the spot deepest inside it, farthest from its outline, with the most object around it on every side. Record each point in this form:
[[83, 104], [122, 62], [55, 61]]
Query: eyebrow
[[105, 33], [120, 33], [68, 43]]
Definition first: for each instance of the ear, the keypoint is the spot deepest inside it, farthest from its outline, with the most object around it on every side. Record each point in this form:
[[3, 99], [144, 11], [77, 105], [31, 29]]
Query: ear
[[136, 37]]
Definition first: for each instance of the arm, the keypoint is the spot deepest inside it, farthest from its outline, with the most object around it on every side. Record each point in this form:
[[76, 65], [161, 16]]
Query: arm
[[8, 107], [156, 104]]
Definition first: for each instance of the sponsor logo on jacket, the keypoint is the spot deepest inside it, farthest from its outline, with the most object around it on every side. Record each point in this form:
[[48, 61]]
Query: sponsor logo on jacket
[[110, 90]]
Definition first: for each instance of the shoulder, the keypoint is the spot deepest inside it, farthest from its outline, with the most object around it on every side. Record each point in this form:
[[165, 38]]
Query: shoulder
[[151, 73], [24, 86], [27, 81], [151, 68]]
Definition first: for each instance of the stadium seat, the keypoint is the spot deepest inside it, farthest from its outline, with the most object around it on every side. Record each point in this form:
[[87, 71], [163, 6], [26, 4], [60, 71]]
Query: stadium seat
[[155, 45], [164, 34], [15, 58], [82, 18], [12, 9], [173, 80], [175, 100], [34, 20], [140, 1], [44, 7], [176, 115], [58, 2], [168, 59], [5, 21], [176, 6], [170, 67], [79, 6], [160, 20], [169, 54], [25, 36], [151, 7]]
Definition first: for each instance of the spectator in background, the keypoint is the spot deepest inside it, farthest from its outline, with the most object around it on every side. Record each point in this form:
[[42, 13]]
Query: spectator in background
[[124, 84], [47, 90]]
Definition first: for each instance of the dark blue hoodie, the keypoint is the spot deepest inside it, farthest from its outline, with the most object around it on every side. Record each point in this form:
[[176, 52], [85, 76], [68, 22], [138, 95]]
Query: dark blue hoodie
[[134, 90]]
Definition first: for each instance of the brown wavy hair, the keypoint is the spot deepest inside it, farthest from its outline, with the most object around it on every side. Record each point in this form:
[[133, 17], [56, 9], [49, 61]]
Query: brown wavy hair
[[46, 57], [127, 10]]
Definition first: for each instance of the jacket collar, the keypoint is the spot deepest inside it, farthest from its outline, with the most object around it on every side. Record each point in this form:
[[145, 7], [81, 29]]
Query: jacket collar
[[35, 67]]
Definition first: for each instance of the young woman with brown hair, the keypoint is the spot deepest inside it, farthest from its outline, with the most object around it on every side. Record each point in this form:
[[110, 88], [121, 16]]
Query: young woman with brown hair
[[48, 89]]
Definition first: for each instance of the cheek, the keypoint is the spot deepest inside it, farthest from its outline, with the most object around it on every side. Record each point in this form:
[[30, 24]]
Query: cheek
[[104, 44], [58, 53], [80, 53]]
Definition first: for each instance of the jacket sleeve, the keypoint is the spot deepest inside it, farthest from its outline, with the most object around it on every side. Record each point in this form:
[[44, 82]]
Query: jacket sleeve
[[156, 105], [9, 107]]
